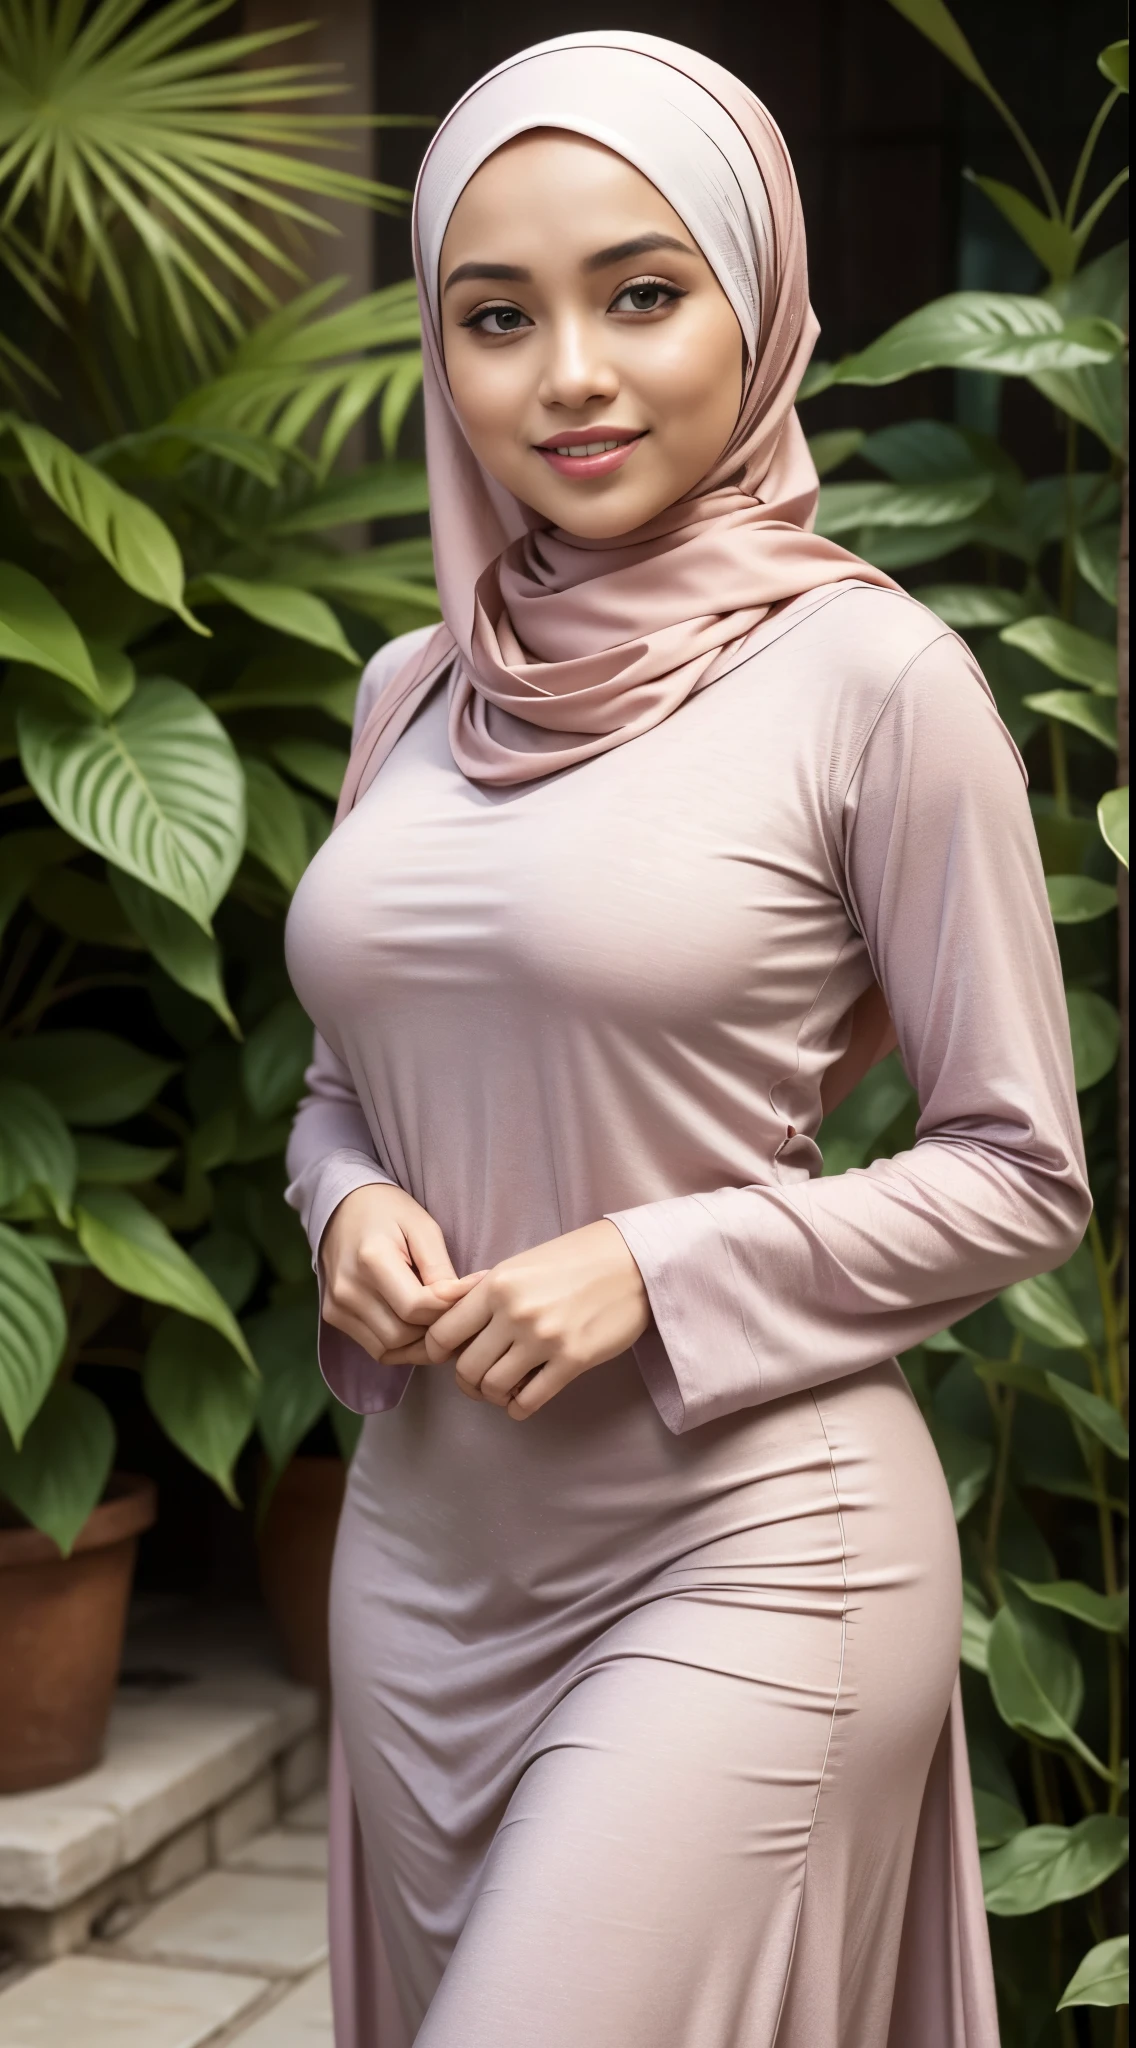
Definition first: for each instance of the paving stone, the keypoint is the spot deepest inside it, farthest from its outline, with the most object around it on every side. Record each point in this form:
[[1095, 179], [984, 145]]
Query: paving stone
[[301, 2020], [309, 1813], [303, 1767], [249, 1811], [295, 1851], [171, 1756], [238, 1920], [105, 2003]]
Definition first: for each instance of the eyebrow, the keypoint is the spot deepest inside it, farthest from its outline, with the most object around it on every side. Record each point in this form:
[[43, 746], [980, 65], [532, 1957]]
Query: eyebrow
[[514, 273]]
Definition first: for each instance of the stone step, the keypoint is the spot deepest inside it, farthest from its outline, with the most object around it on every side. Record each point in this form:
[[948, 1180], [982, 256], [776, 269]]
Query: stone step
[[209, 1744]]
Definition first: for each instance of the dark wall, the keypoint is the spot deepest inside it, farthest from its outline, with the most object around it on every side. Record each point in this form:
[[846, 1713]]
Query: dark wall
[[879, 125]]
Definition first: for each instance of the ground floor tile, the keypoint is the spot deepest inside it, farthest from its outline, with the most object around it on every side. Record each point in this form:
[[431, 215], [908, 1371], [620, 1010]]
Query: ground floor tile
[[301, 2020], [97, 2002], [240, 1920]]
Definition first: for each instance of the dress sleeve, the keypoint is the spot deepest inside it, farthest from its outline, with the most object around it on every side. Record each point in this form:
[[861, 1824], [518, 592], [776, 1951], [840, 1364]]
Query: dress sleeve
[[761, 1291]]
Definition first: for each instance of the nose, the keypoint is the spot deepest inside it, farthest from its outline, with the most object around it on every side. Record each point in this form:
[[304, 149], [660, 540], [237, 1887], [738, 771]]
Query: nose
[[576, 370]]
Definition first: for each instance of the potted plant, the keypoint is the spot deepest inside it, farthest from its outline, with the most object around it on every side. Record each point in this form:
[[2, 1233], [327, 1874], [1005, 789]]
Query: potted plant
[[181, 640]]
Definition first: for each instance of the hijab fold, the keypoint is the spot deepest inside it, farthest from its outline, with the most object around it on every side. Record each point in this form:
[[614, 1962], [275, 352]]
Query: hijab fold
[[558, 647]]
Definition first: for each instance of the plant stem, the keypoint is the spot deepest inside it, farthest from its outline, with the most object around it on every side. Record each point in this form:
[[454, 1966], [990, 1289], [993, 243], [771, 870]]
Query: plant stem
[[1086, 156], [1004, 1422], [1026, 146], [22, 794], [1112, 1350], [78, 988], [1059, 768], [1069, 536]]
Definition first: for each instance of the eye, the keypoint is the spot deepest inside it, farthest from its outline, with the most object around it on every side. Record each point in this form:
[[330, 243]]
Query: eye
[[497, 320], [648, 295]]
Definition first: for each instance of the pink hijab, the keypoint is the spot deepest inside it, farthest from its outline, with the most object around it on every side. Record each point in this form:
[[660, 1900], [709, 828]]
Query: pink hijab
[[560, 648]]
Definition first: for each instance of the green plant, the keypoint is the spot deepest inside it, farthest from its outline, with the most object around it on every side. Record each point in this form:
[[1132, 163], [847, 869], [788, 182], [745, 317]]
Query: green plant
[[1028, 1399], [183, 641]]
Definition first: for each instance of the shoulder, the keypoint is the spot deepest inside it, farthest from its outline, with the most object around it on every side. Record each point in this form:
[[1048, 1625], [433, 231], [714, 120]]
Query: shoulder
[[384, 666], [877, 660]]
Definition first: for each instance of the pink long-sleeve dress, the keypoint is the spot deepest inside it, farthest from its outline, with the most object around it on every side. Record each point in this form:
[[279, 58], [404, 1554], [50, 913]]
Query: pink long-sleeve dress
[[649, 1705]]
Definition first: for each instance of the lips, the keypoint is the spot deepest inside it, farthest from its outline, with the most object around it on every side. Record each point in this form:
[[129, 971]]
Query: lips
[[589, 451]]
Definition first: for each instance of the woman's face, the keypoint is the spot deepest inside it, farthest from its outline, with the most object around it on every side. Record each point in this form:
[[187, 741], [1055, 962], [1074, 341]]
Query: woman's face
[[577, 314]]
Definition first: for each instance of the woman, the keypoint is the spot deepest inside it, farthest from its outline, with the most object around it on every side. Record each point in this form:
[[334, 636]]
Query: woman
[[649, 1708]]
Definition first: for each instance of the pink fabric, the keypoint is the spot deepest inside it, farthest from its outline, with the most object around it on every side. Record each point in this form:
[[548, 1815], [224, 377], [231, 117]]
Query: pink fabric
[[563, 648]]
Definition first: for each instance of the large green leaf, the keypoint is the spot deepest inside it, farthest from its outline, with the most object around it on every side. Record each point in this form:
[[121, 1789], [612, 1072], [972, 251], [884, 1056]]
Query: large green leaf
[[1101, 1977], [292, 1394], [138, 545], [971, 606], [57, 1478], [295, 612], [1093, 1413], [127, 1243], [832, 450], [1079, 657], [114, 1163], [996, 1819], [1094, 1027], [83, 908], [934, 20], [1098, 559], [33, 1331], [158, 789], [1002, 331], [1113, 64], [966, 1461], [277, 833], [313, 762], [34, 628], [1043, 1310], [849, 1132], [1082, 708], [90, 1076], [1093, 394], [23, 856], [1105, 1611], [1051, 241], [202, 1396], [931, 451], [975, 1628], [845, 508], [190, 956], [274, 1057], [232, 1262], [292, 681], [1036, 1683], [1112, 817], [1078, 899], [386, 490], [36, 1148], [1042, 1866]]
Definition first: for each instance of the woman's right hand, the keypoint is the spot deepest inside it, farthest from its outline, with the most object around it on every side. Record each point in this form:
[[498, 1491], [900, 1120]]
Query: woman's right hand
[[382, 1257]]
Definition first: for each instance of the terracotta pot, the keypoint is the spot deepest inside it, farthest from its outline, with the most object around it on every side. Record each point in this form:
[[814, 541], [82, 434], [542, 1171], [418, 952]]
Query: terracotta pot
[[296, 1543], [62, 1620]]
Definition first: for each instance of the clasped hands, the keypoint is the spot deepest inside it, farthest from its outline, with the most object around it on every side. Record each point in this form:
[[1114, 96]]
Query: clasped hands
[[517, 1333]]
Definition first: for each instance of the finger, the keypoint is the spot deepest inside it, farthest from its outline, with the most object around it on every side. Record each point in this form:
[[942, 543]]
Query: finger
[[449, 1291], [357, 1300], [408, 1354], [503, 1380], [457, 1325], [537, 1391], [382, 1268], [427, 1248], [485, 1350]]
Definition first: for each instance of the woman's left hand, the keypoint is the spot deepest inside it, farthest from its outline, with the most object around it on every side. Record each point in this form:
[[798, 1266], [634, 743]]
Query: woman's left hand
[[553, 1312]]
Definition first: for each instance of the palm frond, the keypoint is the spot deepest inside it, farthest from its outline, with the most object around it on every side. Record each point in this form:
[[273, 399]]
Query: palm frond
[[113, 129]]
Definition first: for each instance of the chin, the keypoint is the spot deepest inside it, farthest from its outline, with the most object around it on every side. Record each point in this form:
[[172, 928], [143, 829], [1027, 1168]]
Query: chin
[[604, 519]]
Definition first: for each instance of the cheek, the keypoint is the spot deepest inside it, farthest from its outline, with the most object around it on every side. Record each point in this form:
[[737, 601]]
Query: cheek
[[693, 377], [487, 392]]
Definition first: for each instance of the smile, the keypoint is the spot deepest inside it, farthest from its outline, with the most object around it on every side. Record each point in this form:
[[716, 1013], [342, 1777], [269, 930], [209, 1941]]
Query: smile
[[578, 455]]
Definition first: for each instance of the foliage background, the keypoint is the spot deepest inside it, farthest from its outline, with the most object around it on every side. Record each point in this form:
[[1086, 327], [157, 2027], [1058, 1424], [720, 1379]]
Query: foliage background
[[182, 629]]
